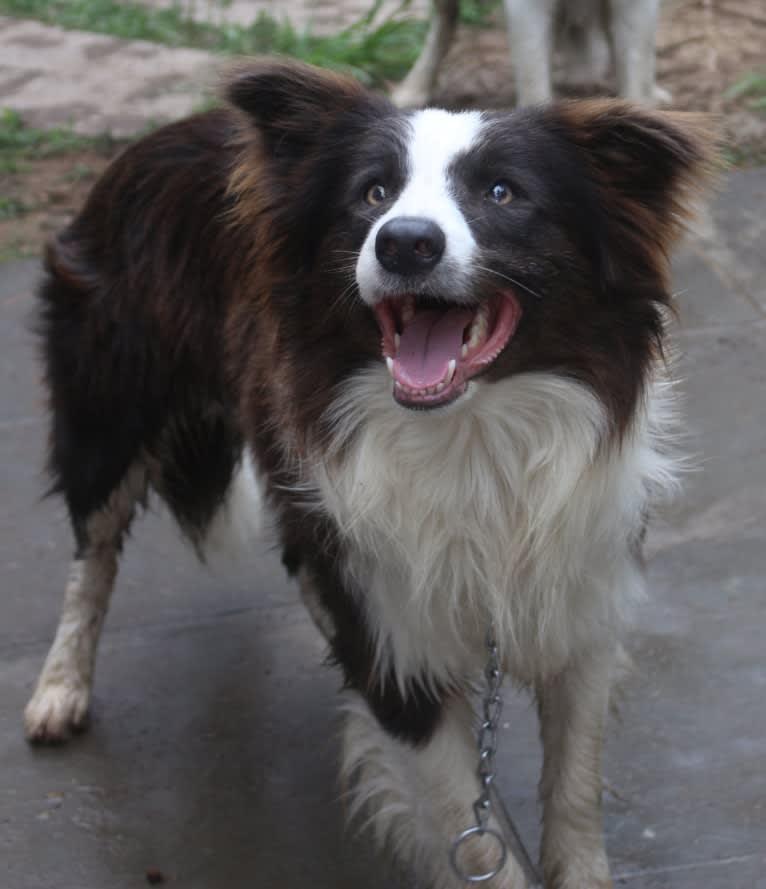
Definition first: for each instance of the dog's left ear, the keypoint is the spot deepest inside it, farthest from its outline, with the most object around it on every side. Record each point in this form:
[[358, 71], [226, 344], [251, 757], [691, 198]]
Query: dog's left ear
[[649, 168], [290, 103]]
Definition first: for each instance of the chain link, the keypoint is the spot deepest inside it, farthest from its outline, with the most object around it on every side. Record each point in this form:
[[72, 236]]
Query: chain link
[[492, 706]]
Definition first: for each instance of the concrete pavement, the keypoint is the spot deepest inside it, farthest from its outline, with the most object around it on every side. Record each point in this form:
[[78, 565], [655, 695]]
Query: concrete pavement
[[212, 751]]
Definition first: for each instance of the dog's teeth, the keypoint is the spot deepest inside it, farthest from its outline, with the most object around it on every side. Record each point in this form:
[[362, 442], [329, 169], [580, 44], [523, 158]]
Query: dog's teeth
[[408, 309], [451, 367], [397, 340], [464, 350], [440, 387], [478, 329], [390, 364]]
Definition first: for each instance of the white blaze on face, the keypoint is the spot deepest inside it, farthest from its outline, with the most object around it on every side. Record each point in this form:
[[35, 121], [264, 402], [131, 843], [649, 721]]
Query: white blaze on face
[[436, 138]]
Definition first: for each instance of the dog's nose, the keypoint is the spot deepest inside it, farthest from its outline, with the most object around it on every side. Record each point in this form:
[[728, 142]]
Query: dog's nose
[[407, 245]]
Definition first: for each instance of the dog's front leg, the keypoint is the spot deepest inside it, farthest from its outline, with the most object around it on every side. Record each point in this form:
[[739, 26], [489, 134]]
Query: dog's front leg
[[573, 709], [417, 794]]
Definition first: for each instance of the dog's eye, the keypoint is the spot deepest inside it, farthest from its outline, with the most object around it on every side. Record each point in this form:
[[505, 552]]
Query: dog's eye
[[375, 195], [500, 193]]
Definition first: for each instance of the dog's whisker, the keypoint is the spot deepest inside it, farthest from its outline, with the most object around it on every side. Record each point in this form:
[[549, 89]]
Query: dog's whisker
[[515, 281]]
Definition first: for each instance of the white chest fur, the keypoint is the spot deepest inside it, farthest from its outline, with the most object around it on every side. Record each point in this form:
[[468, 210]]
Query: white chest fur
[[507, 506]]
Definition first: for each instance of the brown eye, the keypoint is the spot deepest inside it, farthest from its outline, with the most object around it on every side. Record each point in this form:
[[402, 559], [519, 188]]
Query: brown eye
[[375, 195], [500, 193]]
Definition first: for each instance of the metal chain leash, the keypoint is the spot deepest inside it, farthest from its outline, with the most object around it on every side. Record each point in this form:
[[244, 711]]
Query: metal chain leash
[[492, 706]]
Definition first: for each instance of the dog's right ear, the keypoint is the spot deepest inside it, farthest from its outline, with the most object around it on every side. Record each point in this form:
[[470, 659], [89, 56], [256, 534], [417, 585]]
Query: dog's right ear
[[290, 103]]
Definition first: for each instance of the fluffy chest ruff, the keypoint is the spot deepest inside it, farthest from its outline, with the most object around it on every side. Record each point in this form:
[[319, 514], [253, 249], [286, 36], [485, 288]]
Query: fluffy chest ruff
[[512, 507]]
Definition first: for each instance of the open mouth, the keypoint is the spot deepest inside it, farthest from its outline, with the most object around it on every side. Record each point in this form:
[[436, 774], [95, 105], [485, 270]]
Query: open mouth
[[433, 348]]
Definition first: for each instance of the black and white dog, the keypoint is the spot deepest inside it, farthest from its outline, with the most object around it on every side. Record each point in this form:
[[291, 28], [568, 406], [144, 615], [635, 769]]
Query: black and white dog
[[431, 345], [590, 33]]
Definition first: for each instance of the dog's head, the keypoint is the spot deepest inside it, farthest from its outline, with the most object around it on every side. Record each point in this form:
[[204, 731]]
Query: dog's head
[[461, 248]]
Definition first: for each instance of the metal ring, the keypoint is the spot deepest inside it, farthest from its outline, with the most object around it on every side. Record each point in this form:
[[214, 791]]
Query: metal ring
[[460, 840]]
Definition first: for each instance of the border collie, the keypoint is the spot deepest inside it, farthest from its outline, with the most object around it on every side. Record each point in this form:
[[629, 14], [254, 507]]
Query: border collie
[[589, 33], [431, 345]]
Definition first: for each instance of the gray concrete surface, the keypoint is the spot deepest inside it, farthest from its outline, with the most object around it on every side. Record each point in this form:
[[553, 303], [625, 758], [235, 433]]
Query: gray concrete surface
[[212, 750]]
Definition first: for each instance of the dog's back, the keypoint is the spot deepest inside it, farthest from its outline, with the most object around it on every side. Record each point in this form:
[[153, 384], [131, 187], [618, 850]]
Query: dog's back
[[132, 314]]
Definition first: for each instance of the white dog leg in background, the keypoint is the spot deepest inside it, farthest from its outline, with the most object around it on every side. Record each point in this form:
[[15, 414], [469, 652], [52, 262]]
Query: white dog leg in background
[[531, 35], [633, 25], [416, 89]]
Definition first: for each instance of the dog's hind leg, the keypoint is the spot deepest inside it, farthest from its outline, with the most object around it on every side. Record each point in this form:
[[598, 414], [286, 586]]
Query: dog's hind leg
[[416, 89], [59, 704], [573, 710]]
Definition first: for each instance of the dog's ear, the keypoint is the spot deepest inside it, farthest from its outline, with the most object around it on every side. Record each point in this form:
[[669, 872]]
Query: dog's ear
[[290, 103], [649, 169]]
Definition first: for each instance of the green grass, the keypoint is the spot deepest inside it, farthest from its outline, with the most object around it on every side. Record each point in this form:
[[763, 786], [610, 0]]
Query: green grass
[[753, 87], [19, 142], [10, 208], [752, 155], [372, 51]]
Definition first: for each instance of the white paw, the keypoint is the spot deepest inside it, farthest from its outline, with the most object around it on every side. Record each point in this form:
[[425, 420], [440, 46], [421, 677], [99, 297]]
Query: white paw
[[56, 710]]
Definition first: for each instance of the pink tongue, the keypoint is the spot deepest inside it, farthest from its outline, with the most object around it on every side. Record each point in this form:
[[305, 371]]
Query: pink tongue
[[427, 345]]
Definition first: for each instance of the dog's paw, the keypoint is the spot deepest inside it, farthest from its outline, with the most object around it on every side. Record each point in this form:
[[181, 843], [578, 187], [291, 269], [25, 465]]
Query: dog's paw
[[56, 711]]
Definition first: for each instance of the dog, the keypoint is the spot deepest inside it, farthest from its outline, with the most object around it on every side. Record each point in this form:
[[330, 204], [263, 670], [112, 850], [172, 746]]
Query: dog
[[587, 32], [431, 346]]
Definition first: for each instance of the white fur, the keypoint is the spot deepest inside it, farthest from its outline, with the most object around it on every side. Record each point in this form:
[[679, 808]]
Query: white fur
[[436, 138], [531, 34], [243, 517], [514, 507], [60, 700], [509, 507], [417, 799]]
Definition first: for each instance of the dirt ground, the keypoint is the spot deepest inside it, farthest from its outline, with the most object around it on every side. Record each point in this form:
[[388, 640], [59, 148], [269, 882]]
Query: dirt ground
[[48, 191], [704, 47]]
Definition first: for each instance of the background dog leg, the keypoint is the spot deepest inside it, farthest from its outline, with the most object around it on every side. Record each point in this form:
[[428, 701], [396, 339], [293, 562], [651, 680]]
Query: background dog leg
[[59, 704], [573, 709], [417, 87], [418, 798], [633, 35], [530, 32]]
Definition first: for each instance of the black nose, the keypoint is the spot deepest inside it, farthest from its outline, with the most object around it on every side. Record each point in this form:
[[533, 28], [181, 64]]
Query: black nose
[[407, 245]]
